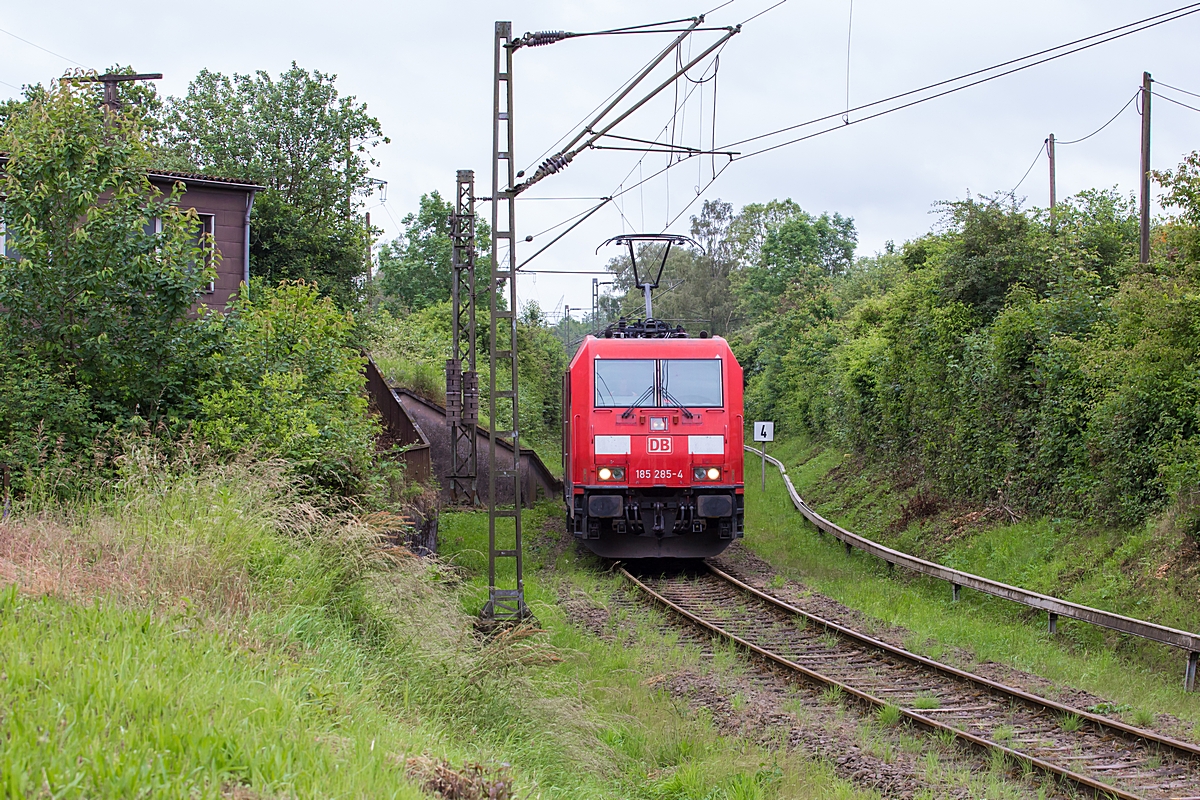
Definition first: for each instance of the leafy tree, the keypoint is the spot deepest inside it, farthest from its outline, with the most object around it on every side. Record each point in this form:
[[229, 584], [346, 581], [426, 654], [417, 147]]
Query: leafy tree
[[96, 295], [1183, 195], [695, 287], [415, 267], [309, 147], [798, 253]]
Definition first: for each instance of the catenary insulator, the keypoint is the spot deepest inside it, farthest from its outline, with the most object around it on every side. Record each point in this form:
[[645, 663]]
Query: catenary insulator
[[543, 37]]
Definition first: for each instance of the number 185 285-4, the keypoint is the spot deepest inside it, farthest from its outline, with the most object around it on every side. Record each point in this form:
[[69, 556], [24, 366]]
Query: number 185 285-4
[[657, 474]]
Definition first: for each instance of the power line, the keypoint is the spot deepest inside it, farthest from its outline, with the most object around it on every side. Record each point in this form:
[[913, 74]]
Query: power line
[[44, 50], [1176, 102], [1083, 44], [1176, 88], [563, 272], [718, 8], [1105, 125], [1036, 159], [6, 83], [765, 10]]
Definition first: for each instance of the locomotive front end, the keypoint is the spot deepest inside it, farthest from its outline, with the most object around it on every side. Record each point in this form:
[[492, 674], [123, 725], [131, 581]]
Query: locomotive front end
[[653, 447]]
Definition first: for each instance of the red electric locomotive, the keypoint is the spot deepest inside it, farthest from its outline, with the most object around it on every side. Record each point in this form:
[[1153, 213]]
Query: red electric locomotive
[[652, 443]]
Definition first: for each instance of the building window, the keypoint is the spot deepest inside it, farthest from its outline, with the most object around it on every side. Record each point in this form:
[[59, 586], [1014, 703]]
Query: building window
[[7, 248], [204, 239]]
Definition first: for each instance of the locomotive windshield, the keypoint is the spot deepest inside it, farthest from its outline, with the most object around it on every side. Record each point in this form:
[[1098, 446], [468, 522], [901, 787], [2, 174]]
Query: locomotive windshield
[[692, 382], [645, 383], [621, 383]]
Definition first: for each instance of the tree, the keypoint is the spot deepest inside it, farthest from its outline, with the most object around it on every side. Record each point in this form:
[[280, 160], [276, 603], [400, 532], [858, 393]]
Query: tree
[[797, 253], [309, 147], [1183, 195], [415, 267], [96, 294]]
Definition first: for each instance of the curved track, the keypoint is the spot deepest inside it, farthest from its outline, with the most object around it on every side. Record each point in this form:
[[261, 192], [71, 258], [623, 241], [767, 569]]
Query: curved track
[[1088, 750]]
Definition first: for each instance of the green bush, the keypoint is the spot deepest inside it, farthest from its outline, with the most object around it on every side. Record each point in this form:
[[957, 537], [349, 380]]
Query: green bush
[[41, 416], [287, 382], [1010, 355]]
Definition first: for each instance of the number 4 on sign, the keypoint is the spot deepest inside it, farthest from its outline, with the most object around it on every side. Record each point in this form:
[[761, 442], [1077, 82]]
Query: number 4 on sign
[[764, 432]]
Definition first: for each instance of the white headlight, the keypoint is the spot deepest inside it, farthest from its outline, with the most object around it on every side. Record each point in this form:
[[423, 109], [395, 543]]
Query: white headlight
[[713, 473], [605, 473]]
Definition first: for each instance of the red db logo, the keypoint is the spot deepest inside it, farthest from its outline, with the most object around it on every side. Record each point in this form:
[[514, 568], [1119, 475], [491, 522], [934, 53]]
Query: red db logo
[[658, 444]]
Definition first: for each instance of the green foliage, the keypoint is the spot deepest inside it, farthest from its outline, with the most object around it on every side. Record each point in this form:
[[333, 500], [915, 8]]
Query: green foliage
[[795, 259], [415, 267], [1024, 357], [309, 146], [1183, 195], [95, 297], [287, 382], [40, 411]]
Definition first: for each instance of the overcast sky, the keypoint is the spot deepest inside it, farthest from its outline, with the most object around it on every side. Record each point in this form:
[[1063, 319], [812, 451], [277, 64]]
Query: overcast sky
[[425, 70]]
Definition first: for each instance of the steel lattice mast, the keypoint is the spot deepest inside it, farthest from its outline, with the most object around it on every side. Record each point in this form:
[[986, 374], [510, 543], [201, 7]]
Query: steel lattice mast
[[462, 379], [504, 538]]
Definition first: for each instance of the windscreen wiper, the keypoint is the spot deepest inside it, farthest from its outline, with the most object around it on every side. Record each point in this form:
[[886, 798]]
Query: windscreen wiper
[[671, 399], [645, 396], [667, 394]]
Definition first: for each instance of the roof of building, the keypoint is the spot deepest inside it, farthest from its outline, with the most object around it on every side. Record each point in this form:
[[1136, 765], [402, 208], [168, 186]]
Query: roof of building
[[195, 177], [187, 177]]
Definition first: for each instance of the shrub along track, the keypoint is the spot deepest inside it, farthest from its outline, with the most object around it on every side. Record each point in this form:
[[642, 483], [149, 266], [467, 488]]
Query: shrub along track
[[1090, 751]]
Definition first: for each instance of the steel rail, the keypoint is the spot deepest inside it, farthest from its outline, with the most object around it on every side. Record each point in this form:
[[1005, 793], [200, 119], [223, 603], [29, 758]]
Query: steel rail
[[1047, 767], [1053, 606], [953, 672]]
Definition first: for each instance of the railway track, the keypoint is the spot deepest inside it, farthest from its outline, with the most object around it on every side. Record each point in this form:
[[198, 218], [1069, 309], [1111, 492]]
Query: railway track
[[1084, 749]]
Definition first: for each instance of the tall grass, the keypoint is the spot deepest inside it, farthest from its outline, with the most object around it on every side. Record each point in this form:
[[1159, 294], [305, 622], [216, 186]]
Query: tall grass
[[189, 599]]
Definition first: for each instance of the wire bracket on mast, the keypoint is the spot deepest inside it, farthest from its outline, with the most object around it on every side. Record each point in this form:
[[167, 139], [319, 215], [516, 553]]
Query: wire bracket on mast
[[462, 379], [505, 603]]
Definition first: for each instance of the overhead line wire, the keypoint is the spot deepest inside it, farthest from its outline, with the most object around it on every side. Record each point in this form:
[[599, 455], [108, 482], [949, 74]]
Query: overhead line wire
[[1153, 21], [1105, 125], [765, 10], [44, 50], [1036, 159], [1176, 88], [1176, 102]]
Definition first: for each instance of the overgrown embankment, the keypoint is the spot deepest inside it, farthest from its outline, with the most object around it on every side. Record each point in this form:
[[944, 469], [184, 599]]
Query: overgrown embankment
[[211, 631], [1147, 571], [1012, 356]]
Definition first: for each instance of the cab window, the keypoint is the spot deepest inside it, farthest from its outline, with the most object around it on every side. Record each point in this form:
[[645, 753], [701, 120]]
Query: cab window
[[692, 382], [621, 383]]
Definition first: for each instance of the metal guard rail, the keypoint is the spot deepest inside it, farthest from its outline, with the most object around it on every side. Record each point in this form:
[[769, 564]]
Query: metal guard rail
[[1053, 606]]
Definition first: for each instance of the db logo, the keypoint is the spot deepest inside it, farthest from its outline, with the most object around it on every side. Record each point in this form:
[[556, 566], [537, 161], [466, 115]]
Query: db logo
[[658, 444]]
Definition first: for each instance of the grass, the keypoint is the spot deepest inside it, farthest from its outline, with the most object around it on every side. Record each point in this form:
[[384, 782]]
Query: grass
[[654, 747], [1134, 673], [212, 633], [161, 704], [889, 715]]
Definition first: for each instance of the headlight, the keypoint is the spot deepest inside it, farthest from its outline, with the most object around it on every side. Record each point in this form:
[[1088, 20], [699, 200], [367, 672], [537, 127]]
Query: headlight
[[706, 473], [713, 473], [611, 473]]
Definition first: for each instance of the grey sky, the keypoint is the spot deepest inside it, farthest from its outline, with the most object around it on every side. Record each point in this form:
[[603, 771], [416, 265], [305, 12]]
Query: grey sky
[[424, 70]]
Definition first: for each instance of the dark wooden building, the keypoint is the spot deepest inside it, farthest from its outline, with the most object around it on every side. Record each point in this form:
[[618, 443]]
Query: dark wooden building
[[223, 206]]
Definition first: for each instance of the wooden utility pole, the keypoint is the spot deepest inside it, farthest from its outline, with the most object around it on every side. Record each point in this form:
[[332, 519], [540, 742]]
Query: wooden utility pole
[[1145, 199], [110, 80], [1053, 187]]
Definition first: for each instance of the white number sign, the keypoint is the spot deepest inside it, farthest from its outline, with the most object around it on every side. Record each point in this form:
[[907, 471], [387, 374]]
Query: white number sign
[[764, 431]]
